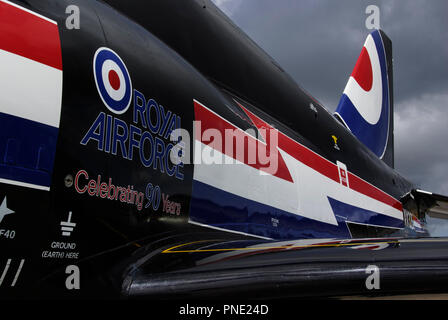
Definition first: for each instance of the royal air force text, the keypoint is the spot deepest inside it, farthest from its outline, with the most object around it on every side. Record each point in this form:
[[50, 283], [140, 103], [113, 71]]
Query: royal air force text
[[145, 139]]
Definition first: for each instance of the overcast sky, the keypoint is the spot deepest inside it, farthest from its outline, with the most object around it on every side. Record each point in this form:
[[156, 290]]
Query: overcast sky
[[318, 42]]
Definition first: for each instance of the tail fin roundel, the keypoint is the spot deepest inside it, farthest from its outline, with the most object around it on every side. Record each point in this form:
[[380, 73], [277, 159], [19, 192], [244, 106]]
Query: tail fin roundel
[[366, 106]]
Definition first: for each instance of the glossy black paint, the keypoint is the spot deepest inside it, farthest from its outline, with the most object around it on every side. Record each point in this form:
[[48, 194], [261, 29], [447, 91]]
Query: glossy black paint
[[277, 270], [176, 51], [198, 31]]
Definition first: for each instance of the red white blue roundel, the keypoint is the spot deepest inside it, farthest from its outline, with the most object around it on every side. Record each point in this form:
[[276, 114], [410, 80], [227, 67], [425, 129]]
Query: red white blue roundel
[[364, 106], [112, 80]]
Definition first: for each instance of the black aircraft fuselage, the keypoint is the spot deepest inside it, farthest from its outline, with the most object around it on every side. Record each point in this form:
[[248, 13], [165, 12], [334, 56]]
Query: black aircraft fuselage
[[99, 188]]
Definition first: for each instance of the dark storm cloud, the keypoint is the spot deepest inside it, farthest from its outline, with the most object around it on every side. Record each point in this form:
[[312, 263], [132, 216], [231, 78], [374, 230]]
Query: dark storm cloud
[[420, 141], [318, 41]]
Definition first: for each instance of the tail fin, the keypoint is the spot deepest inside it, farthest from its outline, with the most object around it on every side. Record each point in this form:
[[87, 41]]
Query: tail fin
[[366, 106]]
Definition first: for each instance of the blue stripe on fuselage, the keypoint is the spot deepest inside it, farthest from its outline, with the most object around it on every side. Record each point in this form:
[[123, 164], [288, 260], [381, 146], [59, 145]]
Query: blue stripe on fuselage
[[27, 150], [221, 209], [347, 213]]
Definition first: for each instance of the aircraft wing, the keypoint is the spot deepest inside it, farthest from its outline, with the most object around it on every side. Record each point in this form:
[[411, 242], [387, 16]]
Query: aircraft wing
[[427, 203], [436, 204], [248, 269]]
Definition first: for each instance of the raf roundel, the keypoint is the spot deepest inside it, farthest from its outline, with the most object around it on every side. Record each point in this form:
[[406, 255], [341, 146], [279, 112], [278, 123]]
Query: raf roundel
[[112, 80]]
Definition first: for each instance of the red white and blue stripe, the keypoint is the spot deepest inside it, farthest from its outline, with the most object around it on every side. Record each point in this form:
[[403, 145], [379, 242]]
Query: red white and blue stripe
[[417, 225], [304, 198], [30, 96]]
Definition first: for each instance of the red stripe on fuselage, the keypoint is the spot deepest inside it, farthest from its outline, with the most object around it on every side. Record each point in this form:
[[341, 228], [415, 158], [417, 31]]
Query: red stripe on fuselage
[[249, 154], [29, 35], [325, 167], [361, 186], [298, 151]]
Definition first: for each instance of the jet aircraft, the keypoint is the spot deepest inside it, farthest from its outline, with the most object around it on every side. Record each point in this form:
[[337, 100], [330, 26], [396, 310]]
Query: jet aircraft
[[157, 151]]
